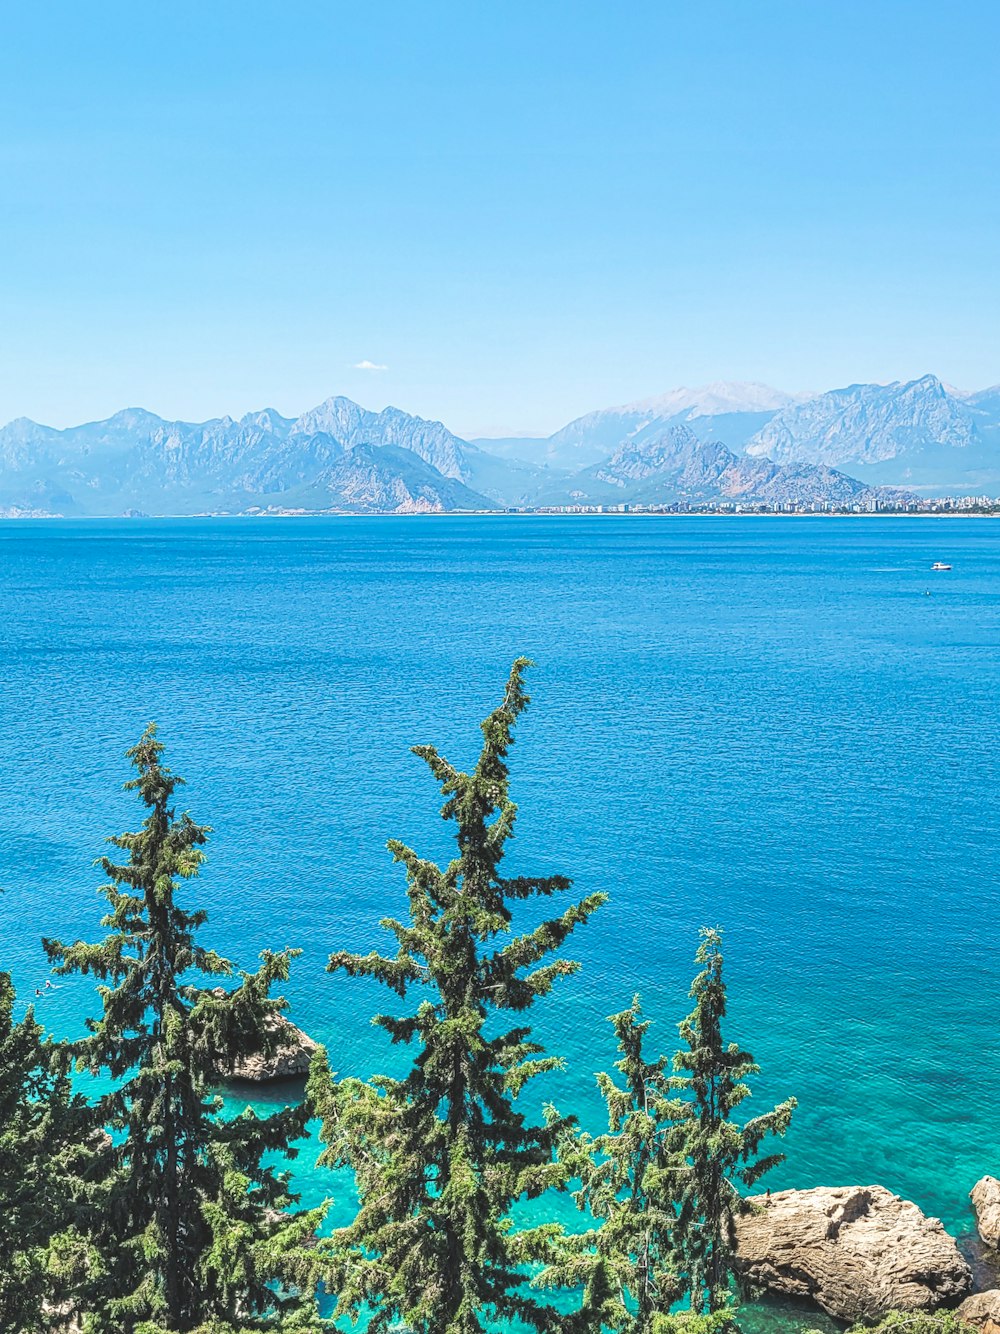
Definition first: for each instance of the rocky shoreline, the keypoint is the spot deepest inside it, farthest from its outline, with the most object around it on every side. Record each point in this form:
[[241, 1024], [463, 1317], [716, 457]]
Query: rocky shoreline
[[858, 1252]]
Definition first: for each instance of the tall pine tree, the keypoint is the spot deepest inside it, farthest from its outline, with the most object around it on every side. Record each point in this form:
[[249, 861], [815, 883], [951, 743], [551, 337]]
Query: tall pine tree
[[628, 1183], [441, 1156], [193, 1228], [47, 1153], [721, 1154]]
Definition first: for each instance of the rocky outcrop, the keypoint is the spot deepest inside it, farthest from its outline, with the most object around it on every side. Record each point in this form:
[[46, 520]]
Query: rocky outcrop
[[62, 1318], [982, 1311], [857, 1251], [985, 1197], [983, 1261], [288, 1058], [389, 480]]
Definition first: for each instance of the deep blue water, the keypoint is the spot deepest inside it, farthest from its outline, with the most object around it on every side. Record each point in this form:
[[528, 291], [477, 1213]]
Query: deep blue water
[[759, 723]]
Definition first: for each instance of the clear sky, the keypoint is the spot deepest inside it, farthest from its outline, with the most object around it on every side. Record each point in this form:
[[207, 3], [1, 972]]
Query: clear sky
[[521, 210]]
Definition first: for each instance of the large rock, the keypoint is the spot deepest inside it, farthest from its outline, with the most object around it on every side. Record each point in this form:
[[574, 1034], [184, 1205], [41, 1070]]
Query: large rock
[[982, 1311], [289, 1058], [985, 1196], [858, 1251]]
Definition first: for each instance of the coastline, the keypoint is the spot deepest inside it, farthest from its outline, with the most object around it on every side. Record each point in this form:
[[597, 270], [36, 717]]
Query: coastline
[[493, 514], [839, 673]]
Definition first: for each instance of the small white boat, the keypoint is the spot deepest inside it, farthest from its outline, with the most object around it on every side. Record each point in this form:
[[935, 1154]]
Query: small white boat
[[940, 565]]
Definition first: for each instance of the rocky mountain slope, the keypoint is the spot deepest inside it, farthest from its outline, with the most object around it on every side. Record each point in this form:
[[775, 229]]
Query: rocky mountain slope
[[382, 479], [352, 425], [918, 434], [675, 465], [137, 461]]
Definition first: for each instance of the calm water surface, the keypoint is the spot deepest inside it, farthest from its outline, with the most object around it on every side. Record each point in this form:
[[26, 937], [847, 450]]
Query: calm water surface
[[762, 724]]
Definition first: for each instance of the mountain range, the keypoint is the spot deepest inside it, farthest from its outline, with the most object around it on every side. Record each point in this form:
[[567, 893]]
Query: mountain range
[[722, 441], [921, 434], [731, 412], [336, 456]]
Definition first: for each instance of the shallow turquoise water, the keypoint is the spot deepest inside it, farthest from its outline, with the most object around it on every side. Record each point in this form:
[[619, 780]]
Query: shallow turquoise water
[[764, 724]]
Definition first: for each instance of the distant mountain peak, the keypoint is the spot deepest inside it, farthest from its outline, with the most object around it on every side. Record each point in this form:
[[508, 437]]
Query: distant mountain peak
[[354, 425], [917, 434], [266, 419], [715, 399], [136, 460], [863, 425], [23, 428], [389, 479], [130, 419], [728, 410]]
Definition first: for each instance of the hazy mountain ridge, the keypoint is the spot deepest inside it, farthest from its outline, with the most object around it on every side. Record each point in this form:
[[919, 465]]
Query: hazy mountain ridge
[[919, 434], [689, 443], [677, 466], [727, 411], [352, 425], [384, 479], [138, 461], [865, 424]]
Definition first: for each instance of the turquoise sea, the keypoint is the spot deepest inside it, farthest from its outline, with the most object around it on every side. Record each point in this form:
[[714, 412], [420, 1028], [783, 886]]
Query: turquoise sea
[[787, 727]]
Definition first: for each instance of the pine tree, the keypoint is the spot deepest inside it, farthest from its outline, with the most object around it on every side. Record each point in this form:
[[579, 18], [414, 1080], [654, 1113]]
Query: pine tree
[[193, 1228], [629, 1178], [721, 1154], [441, 1156], [46, 1151]]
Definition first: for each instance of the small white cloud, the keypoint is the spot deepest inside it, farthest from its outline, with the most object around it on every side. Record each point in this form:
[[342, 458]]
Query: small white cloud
[[367, 365]]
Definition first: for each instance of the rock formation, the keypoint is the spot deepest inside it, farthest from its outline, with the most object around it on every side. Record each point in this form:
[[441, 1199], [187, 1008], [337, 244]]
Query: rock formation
[[675, 465], [985, 1196], [289, 1059], [982, 1311], [857, 1251]]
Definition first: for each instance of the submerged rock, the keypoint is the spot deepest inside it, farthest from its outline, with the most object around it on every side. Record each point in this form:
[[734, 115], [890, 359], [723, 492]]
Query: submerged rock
[[857, 1251], [983, 1260], [982, 1311], [985, 1197]]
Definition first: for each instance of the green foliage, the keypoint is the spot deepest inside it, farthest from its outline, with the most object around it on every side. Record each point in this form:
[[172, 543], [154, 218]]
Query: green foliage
[[628, 1182], [915, 1322], [152, 1213], [45, 1152], [194, 1225], [720, 1321], [721, 1154], [441, 1156], [302, 1322]]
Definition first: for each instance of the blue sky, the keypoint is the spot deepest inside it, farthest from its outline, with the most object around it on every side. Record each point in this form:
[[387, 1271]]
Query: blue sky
[[522, 210]]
